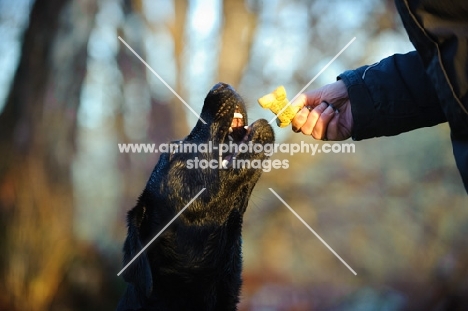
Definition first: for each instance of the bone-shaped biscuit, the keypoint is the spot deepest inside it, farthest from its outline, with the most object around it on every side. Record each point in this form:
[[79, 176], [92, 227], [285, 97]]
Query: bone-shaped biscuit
[[276, 101]]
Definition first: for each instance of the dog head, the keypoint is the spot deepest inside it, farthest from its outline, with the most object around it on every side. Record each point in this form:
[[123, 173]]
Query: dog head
[[182, 173], [203, 242]]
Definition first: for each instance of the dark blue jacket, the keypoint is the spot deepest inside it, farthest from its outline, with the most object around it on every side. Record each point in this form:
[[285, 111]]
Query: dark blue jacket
[[422, 88]]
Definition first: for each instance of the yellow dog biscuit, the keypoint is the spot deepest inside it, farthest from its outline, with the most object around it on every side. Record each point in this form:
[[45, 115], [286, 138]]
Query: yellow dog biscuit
[[276, 101]]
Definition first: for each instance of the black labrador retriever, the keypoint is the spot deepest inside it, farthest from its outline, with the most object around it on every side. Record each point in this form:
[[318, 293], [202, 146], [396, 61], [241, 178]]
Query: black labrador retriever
[[196, 263]]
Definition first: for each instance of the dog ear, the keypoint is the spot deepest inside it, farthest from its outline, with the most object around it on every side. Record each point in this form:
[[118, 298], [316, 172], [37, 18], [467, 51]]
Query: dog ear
[[139, 272]]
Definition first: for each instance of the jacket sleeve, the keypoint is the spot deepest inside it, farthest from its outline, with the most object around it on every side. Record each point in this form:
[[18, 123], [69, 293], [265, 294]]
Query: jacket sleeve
[[392, 96]]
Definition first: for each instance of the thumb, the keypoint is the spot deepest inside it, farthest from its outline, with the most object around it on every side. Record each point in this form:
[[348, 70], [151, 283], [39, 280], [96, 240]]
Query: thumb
[[299, 102]]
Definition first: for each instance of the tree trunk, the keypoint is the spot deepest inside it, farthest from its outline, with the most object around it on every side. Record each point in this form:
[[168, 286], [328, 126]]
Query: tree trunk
[[177, 29], [236, 40], [37, 130]]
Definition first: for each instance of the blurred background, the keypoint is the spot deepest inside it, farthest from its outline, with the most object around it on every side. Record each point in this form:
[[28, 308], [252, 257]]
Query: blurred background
[[70, 91]]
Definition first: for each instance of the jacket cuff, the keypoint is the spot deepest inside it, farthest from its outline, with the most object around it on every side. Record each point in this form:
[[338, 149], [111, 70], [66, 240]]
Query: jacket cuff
[[361, 102]]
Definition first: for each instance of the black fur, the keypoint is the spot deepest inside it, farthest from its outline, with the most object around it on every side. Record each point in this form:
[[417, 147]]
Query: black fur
[[196, 263]]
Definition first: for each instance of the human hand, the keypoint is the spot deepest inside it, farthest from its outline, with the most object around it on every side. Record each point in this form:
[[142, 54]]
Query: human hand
[[322, 121]]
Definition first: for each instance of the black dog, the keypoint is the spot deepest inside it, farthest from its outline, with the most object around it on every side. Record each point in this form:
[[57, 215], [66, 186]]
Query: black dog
[[196, 263]]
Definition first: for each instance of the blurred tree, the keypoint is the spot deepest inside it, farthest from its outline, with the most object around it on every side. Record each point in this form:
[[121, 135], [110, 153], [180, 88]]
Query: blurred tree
[[37, 130], [236, 41], [378, 209], [178, 30]]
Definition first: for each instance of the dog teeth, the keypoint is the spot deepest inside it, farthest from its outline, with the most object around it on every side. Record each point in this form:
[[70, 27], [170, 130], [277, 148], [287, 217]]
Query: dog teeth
[[230, 138], [246, 127], [230, 130], [238, 115], [225, 163]]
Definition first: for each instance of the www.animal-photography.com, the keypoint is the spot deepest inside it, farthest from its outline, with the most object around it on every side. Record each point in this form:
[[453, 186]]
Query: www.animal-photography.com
[[250, 155]]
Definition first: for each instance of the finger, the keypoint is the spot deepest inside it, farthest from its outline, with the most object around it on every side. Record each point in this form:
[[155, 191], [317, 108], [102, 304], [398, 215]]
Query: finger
[[332, 128], [320, 128], [299, 120], [312, 118], [301, 116]]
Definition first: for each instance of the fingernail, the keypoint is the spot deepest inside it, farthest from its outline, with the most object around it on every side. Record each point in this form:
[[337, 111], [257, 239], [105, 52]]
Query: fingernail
[[329, 109], [334, 109], [323, 105]]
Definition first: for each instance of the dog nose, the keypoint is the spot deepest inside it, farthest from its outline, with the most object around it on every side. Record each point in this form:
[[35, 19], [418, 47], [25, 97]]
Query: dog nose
[[219, 86]]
